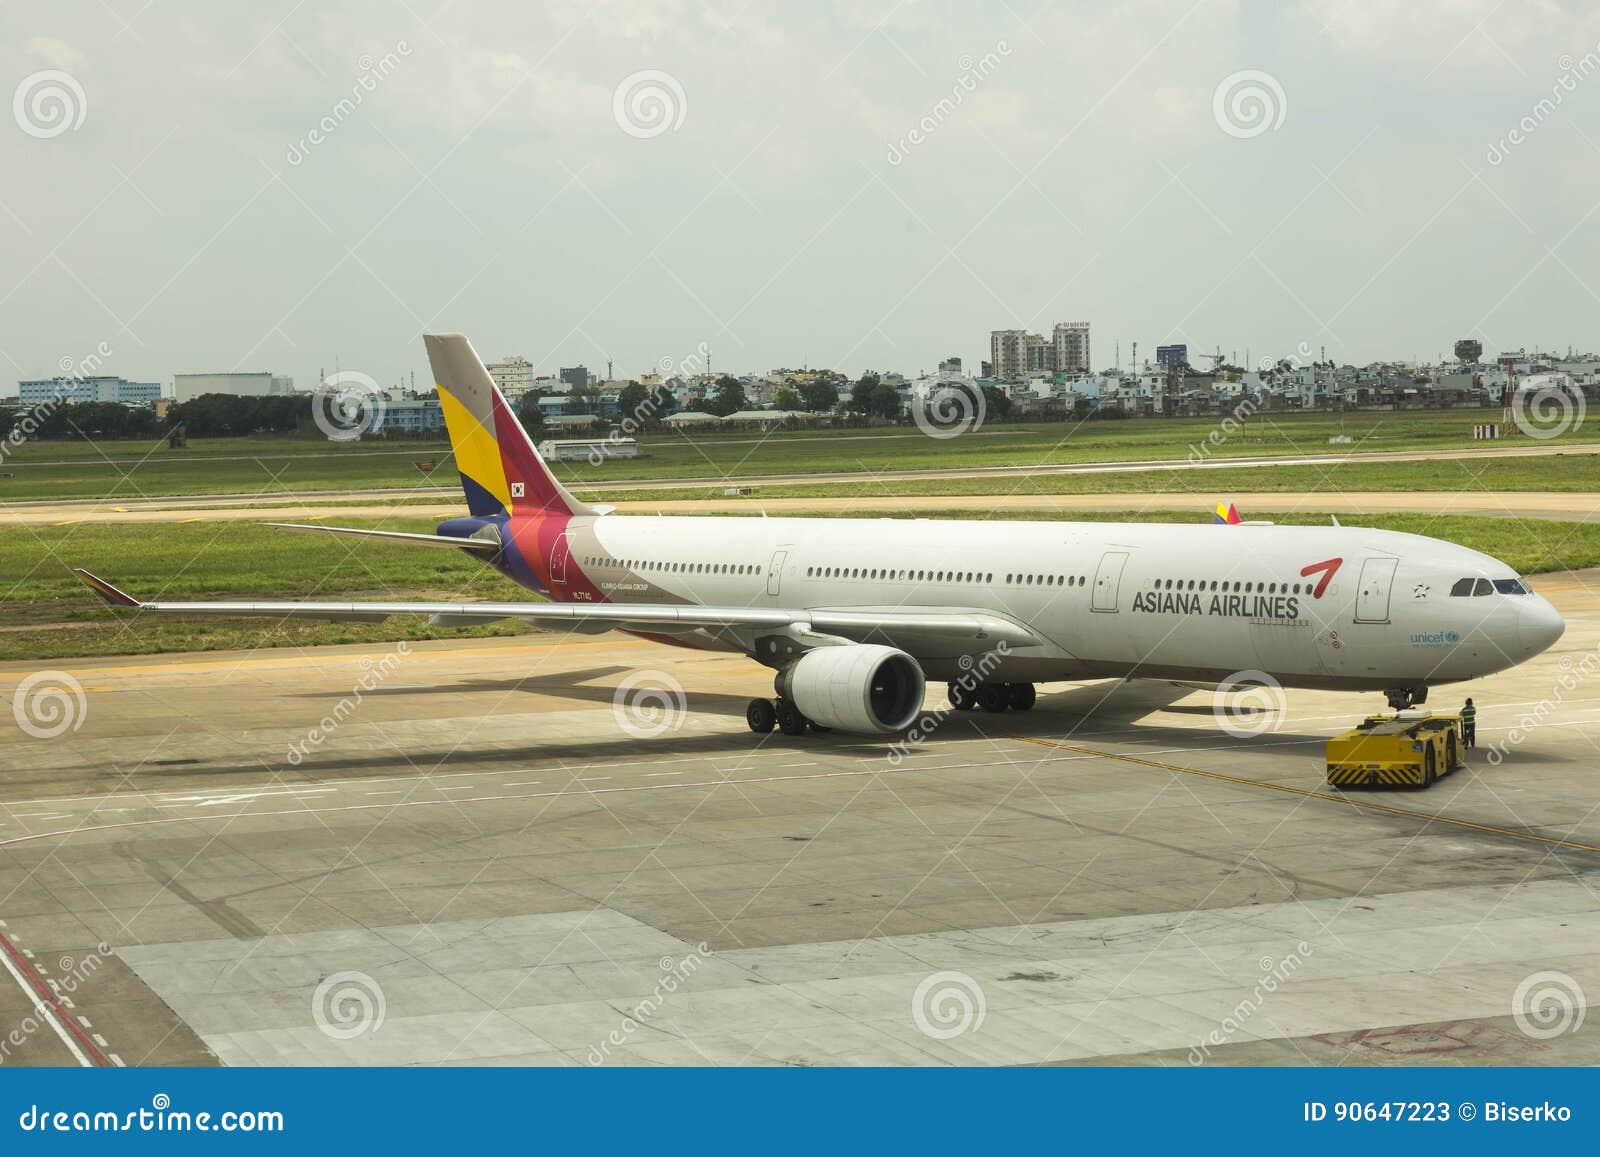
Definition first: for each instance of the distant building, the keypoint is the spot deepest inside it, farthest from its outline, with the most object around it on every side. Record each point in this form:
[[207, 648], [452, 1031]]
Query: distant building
[[573, 449], [576, 377], [1071, 346], [186, 387], [1168, 356], [1016, 353], [412, 414], [1469, 350], [514, 375], [950, 366], [74, 389]]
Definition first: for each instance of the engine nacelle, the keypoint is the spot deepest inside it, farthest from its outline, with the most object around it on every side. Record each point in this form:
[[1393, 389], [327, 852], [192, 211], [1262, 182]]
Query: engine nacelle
[[860, 687]]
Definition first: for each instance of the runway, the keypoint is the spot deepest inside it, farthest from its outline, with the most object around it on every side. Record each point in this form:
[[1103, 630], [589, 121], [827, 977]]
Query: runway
[[1563, 506], [509, 854]]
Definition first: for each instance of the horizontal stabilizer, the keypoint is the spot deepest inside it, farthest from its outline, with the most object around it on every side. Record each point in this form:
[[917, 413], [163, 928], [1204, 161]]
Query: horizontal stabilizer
[[482, 545]]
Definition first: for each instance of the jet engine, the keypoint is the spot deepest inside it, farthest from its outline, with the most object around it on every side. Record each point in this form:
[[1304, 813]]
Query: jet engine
[[858, 687]]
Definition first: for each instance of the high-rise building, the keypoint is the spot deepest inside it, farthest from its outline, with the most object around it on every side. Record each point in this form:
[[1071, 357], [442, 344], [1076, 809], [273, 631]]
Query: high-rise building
[[514, 375], [575, 377], [1015, 353], [1071, 346], [99, 389], [1008, 352], [1168, 356]]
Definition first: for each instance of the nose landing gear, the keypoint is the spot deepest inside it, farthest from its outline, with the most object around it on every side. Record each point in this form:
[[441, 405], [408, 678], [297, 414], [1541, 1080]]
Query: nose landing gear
[[1402, 697]]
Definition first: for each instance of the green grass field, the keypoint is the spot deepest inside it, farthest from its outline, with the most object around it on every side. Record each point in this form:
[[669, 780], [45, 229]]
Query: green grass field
[[50, 615], [1572, 473], [284, 466]]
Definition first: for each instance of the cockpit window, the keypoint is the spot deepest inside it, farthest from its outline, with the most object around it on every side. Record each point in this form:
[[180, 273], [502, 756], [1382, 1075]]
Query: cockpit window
[[1510, 587], [1462, 588], [1482, 587]]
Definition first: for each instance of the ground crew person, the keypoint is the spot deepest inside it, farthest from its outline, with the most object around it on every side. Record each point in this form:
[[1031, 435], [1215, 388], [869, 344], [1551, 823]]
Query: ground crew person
[[1469, 724]]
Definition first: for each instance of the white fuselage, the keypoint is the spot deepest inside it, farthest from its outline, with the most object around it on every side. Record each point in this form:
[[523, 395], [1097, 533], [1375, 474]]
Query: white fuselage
[[1333, 607]]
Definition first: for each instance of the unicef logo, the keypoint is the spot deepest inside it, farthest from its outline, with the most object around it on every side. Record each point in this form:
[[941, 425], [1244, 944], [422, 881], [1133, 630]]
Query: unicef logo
[[1452, 637]]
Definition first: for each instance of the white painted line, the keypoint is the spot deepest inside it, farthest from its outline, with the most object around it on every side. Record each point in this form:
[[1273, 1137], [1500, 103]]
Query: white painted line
[[44, 1010], [99, 1040], [531, 782], [84, 1021], [116, 1060]]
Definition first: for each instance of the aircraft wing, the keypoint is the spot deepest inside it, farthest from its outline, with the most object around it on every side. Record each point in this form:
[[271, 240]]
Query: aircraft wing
[[952, 625]]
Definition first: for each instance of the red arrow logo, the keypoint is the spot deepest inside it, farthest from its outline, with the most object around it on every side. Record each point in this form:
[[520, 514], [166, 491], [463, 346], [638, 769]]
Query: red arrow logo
[[1328, 569]]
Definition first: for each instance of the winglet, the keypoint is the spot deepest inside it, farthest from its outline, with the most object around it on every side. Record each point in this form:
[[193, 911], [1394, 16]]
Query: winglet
[[1227, 513], [105, 590]]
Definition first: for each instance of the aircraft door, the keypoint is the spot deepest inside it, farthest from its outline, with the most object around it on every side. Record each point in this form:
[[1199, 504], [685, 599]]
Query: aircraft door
[[559, 554], [1372, 598], [775, 571], [1108, 580]]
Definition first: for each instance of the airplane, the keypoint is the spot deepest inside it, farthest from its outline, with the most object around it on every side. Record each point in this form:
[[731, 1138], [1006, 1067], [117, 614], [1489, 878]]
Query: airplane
[[854, 616]]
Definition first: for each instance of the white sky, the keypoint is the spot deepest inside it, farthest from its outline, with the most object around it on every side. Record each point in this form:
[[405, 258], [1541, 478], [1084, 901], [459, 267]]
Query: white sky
[[485, 185]]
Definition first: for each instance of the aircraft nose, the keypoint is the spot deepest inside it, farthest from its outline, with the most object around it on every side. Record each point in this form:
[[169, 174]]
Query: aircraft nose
[[1539, 625]]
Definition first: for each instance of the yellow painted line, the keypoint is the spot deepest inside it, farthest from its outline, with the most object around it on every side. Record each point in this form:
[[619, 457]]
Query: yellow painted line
[[1300, 791], [70, 522]]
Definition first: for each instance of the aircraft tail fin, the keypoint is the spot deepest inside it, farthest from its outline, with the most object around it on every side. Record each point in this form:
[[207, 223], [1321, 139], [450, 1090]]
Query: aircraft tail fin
[[501, 471], [1227, 513]]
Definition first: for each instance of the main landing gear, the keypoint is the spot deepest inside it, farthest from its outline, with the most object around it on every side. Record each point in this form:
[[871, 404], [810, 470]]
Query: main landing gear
[[764, 714], [991, 697]]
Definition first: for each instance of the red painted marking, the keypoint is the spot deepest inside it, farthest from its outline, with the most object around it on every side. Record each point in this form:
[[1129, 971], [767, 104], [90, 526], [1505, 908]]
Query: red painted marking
[[48, 996], [1328, 569]]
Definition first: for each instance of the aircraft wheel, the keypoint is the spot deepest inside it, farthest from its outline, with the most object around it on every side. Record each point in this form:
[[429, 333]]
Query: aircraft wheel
[[789, 719], [761, 716], [960, 697], [1020, 696], [993, 697]]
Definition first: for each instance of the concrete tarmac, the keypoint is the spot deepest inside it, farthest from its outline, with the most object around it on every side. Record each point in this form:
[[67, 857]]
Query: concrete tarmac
[[546, 850]]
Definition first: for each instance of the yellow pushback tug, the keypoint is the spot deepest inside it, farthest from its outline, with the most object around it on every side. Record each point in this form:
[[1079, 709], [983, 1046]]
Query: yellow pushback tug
[[1408, 749]]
